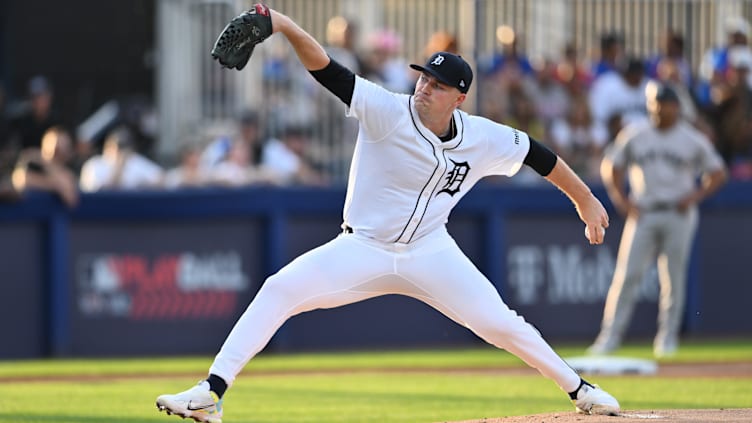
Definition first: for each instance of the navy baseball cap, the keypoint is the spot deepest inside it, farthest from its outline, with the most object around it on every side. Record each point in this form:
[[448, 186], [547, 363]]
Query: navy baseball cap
[[448, 68], [665, 93]]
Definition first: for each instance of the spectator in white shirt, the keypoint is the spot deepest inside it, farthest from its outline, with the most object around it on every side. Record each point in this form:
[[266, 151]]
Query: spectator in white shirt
[[620, 93], [189, 173], [119, 166], [238, 169], [287, 158], [579, 140]]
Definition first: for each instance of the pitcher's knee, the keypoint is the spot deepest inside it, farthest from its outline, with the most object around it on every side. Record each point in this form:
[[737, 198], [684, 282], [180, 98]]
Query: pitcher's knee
[[279, 288], [293, 294]]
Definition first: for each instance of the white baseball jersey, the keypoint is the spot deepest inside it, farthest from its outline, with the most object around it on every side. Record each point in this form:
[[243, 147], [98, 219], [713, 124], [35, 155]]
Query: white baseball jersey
[[663, 165], [404, 181]]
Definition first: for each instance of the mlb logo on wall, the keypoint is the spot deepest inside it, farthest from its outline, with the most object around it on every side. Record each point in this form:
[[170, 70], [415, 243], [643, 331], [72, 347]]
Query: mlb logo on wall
[[165, 287]]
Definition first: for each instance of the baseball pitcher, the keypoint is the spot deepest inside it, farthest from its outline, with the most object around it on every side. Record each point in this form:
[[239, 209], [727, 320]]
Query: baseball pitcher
[[416, 156]]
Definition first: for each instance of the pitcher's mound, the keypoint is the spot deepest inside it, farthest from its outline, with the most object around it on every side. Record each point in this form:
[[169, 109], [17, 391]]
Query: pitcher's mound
[[734, 415]]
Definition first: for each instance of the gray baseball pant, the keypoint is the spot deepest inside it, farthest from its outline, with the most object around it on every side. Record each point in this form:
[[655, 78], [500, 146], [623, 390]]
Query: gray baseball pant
[[663, 234]]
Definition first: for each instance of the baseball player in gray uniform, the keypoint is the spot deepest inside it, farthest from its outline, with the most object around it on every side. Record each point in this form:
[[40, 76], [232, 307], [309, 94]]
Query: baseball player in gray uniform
[[663, 159], [416, 156]]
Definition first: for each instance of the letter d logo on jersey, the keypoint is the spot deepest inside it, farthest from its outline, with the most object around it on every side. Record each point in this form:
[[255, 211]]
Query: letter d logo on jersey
[[455, 177]]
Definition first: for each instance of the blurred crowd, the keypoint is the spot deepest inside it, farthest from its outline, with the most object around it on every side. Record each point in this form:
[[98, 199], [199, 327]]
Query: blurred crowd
[[573, 103], [578, 107]]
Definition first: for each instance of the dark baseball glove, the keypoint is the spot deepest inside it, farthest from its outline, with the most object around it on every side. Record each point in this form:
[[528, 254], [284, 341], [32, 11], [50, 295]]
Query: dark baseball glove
[[235, 44]]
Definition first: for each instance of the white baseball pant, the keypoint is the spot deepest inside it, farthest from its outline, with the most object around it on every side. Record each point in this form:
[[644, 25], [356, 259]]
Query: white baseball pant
[[352, 268]]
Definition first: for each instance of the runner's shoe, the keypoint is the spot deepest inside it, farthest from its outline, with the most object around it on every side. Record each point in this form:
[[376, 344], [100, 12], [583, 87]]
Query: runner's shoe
[[603, 346], [198, 403]]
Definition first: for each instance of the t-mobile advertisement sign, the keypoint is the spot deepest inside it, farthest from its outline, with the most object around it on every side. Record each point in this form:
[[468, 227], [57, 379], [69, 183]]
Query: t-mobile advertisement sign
[[151, 288], [559, 282]]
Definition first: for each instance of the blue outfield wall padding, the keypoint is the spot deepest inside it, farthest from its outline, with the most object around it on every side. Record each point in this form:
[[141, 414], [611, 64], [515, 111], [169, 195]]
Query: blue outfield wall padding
[[58, 284], [498, 223]]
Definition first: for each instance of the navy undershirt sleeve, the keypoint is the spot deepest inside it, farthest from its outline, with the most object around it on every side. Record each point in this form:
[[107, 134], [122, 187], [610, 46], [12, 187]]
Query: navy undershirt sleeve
[[337, 79], [540, 158]]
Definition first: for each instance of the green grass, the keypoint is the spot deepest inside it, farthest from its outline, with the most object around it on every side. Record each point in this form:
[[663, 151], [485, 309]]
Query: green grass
[[482, 357], [270, 391]]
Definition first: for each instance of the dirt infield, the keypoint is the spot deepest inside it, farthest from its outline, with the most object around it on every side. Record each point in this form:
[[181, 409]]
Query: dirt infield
[[738, 415], [678, 370]]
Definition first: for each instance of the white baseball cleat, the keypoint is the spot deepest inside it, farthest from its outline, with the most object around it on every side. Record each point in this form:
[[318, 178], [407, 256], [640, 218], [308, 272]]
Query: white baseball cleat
[[591, 399], [198, 403]]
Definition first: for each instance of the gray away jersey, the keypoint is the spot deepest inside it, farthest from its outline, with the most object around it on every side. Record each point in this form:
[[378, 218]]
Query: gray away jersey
[[404, 181], [663, 166]]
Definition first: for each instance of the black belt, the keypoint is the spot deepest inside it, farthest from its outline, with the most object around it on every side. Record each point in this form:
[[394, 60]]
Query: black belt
[[661, 207]]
